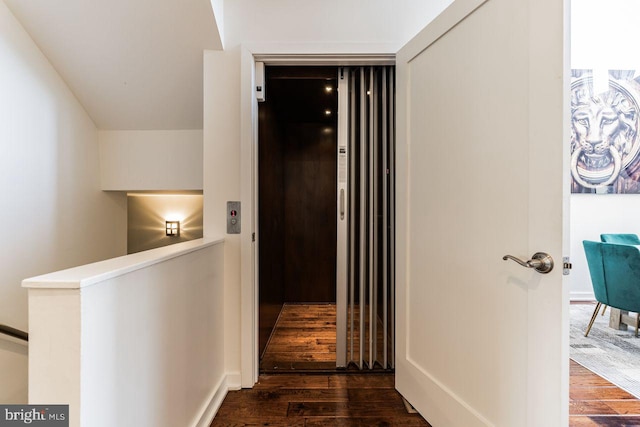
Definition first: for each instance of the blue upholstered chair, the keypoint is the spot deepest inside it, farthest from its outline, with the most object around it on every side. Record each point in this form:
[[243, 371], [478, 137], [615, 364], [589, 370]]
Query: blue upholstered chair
[[615, 276], [622, 239]]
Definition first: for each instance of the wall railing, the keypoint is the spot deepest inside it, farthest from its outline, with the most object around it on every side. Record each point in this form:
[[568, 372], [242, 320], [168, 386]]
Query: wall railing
[[13, 332]]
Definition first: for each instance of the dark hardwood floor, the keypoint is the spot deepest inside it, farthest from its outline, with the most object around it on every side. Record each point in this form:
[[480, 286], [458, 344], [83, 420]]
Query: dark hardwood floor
[[370, 400], [318, 400], [299, 384], [305, 340]]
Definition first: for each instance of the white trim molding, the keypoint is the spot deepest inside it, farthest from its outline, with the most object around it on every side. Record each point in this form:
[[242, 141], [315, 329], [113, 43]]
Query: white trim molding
[[227, 383], [582, 296], [281, 54]]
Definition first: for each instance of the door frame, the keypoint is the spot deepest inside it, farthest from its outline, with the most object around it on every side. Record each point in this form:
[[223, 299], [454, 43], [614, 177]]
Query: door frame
[[327, 54]]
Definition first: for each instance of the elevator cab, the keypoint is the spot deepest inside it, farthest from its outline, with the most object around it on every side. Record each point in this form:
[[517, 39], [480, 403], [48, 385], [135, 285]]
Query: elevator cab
[[325, 218]]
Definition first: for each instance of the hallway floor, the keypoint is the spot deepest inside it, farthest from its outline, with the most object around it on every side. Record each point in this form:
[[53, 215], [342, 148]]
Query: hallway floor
[[305, 339], [318, 400], [371, 400]]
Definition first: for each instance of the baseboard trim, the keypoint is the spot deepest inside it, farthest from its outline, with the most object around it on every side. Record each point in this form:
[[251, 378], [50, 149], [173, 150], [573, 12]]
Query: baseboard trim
[[210, 408], [234, 381], [440, 406], [582, 296]]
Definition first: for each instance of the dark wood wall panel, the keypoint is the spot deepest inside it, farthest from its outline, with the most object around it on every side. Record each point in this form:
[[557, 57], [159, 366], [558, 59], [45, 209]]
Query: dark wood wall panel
[[310, 213], [271, 222]]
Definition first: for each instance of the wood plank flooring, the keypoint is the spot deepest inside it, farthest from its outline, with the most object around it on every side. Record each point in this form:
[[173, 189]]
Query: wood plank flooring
[[370, 400], [594, 401], [304, 339], [318, 400]]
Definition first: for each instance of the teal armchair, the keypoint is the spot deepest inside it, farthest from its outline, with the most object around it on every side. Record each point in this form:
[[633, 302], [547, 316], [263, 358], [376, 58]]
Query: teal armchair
[[622, 239], [615, 276]]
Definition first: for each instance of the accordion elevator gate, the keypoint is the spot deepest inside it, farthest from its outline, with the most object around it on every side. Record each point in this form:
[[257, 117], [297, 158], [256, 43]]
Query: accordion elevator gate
[[326, 218]]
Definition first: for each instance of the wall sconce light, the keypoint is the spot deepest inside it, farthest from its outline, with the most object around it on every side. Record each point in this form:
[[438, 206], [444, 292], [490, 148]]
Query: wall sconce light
[[173, 228]]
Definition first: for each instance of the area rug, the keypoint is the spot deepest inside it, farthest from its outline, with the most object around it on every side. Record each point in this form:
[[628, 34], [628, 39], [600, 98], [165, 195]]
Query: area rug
[[612, 354]]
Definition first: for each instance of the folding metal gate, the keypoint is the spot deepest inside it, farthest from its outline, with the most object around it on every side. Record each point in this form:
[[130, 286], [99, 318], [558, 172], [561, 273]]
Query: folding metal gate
[[365, 253]]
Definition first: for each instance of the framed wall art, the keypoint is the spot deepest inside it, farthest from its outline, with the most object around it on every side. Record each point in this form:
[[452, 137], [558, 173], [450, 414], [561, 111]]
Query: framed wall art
[[604, 132]]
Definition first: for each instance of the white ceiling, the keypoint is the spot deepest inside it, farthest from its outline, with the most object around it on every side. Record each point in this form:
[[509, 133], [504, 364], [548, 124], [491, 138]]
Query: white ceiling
[[133, 64]]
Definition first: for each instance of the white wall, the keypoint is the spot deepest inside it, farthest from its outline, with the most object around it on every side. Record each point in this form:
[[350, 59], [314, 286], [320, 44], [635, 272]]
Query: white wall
[[612, 45], [592, 215], [319, 26], [609, 48], [150, 159], [53, 212], [218, 14], [133, 341], [222, 180]]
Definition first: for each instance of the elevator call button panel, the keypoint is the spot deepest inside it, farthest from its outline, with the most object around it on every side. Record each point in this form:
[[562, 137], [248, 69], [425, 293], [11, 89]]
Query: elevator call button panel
[[233, 217]]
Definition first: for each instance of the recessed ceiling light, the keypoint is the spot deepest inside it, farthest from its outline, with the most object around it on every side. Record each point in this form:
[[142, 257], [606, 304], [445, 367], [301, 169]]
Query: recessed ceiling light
[[327, 112]]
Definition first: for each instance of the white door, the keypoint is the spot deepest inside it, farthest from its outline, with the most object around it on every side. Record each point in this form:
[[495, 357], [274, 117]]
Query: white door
[[481, 155]]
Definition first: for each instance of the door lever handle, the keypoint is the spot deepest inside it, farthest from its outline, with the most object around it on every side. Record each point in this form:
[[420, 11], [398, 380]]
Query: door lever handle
[[540, 262], [342, 203]]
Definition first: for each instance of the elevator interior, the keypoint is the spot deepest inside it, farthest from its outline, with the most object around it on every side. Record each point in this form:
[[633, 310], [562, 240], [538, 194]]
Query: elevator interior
[[297, 188], [325, 218]]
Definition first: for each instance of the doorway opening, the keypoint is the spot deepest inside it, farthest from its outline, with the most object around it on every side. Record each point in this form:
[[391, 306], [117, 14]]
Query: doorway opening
[[604, 194], [296, 222], [325, 218]]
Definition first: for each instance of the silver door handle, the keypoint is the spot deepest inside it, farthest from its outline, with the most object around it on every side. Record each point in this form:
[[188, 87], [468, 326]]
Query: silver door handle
[[342, 203], [540, 262]]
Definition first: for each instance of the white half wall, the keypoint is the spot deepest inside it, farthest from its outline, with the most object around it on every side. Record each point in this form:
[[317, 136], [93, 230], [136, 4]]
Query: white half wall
[[137, 160], [133, 341], [54, 213]]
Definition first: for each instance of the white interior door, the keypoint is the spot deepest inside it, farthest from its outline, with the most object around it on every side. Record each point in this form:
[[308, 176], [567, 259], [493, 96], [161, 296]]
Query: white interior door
[[481, 154]]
